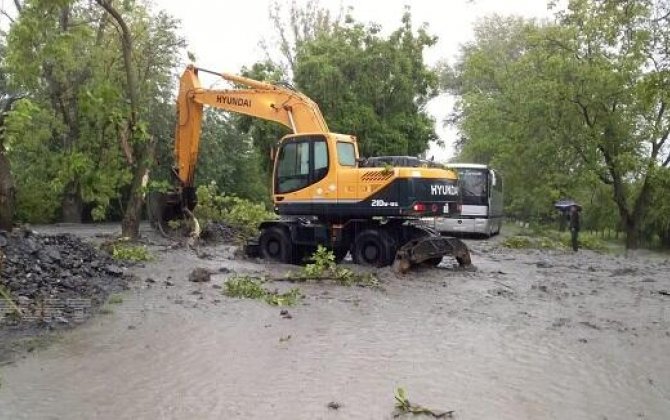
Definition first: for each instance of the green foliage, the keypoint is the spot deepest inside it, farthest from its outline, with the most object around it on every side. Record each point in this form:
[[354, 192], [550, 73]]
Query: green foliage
[[115, 299], [227, 157], [237, 212], [65, 57], [34, 163], [244, 287], [586, 241], [371, 86], [252, 288], [264, 134], [128, 252], [546, 239], [324, 266], [517, 242], [289, 298], [404, 406], [6, 297], [575, 108], [324, 261]]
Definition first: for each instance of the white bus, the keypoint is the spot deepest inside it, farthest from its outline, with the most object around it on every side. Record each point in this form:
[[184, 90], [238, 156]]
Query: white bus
[[482, 209]]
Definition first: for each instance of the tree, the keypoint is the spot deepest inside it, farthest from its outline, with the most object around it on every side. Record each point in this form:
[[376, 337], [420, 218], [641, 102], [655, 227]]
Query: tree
[[48, 62], [294, 27], [586, 97], [372, 86], [7, 188], [65, 54], [227, 157], [159, 52]]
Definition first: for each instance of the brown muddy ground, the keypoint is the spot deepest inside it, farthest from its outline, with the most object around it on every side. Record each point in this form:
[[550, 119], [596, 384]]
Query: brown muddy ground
[[528, 335]]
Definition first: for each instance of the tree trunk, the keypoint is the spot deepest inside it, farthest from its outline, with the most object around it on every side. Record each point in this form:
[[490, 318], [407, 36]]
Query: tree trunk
[[71, 204], [6, 193], [665, 237], [130, 225], [632, 233]]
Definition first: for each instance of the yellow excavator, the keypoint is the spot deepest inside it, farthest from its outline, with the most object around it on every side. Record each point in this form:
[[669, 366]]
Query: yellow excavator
[[324, 193]]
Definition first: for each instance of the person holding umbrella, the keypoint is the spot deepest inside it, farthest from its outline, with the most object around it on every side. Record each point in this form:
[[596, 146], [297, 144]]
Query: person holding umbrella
[[571, 209]]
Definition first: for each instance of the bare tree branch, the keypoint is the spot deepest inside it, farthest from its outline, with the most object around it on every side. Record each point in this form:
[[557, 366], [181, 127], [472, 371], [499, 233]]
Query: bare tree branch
[[4, 13]]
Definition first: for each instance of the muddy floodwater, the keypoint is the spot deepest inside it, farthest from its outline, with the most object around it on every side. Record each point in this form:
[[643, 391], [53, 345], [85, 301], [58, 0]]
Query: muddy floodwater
[[528, 335]]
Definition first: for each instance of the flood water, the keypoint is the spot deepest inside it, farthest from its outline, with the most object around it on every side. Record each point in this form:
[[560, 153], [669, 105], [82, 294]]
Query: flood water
[[529, 335]]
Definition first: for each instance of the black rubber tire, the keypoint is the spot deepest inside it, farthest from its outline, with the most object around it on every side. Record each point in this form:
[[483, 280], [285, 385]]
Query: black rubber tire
[[275, 245], [302, 253], [374, 247], [340, 253]]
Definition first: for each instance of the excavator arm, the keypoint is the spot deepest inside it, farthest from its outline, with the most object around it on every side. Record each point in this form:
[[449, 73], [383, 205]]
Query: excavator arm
[[259, 99]]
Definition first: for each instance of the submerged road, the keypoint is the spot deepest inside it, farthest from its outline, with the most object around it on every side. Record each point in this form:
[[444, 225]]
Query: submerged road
[[528, 335]]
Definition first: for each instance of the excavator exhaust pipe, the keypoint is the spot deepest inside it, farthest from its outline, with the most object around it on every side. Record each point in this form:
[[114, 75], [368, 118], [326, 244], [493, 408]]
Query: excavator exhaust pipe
[[430, 248]]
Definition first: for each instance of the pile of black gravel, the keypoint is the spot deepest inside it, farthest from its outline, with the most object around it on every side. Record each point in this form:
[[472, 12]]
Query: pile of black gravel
[[54, 280]]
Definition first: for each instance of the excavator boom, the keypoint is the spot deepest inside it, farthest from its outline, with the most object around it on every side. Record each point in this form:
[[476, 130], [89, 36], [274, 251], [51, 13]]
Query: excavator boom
[[261, 100]]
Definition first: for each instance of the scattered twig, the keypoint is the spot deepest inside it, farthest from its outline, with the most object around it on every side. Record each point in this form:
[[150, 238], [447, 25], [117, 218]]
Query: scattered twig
[[404, 406]]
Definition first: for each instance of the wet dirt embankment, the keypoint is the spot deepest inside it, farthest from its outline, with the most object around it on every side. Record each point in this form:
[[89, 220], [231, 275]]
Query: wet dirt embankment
[[528, 335]]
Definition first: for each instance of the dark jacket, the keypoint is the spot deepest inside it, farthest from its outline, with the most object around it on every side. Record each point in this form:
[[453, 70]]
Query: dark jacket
[[574, 219]]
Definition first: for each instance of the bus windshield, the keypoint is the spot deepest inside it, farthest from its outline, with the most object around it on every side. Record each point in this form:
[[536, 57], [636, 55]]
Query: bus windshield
[[474, 186]]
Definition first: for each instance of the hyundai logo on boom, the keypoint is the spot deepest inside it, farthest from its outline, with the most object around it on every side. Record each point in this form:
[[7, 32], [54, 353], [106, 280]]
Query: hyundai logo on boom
[[230, 100], [443, 190]]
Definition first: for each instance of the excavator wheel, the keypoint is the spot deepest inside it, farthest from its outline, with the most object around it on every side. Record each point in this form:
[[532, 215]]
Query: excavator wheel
[[340, 252], [374, 247], [275, 245]]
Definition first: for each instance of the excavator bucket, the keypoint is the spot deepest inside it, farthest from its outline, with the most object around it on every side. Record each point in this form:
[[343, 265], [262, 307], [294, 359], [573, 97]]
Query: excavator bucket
[[429, 249]]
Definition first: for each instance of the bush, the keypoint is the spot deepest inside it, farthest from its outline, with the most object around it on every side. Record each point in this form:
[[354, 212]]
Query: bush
[[554, 240], [517, 242], [586, 241], [238, 212], [128, 252]]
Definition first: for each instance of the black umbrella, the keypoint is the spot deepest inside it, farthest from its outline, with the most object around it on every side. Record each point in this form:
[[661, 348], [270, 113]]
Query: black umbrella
[[564, 205]]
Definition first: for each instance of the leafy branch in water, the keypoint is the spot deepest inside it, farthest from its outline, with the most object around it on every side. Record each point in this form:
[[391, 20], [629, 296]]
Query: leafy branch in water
[[252, 288], [324, 267], [404, 406]]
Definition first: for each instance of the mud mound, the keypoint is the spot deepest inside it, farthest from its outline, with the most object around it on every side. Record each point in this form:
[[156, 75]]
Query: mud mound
[[52, 280], [220, 232]]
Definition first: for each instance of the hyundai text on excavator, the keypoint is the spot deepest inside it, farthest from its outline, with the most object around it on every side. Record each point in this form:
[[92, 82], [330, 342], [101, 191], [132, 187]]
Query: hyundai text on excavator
[[322, 191]]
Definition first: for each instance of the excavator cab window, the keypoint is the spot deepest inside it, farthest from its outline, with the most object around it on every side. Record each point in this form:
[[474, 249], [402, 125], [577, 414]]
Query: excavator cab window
[[346, 153], [301, 162]]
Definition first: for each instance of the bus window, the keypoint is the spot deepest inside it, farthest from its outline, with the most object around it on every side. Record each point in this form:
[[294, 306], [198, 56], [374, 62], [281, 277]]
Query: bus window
[[474, 184]]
